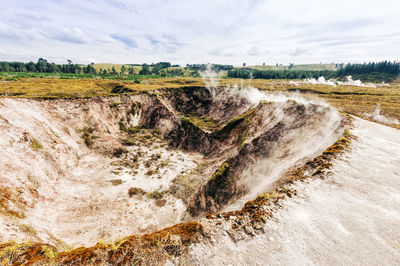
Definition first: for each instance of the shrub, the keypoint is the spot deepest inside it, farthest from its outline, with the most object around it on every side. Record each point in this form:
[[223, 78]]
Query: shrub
[[155, 195], [116, 182], [135, 191], [129, 142], [119, 151], [115, 105], [35, 144], [151, 172], [133, 130], [87, 136]]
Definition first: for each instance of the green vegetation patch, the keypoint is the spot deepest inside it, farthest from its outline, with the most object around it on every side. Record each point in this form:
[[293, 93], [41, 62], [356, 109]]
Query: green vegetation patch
[[35, 144], [155, 195], [233, 123], [219, 180], [116, 182], [133, 191], [203, 122], [87, 136]]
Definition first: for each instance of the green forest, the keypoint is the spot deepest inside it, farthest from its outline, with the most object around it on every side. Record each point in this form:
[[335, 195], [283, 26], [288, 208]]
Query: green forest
[[384, 71], [374, 72]]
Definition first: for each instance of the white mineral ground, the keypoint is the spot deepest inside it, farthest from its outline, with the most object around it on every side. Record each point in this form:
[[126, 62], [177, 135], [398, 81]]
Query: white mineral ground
[[350, 218], [76, 202]]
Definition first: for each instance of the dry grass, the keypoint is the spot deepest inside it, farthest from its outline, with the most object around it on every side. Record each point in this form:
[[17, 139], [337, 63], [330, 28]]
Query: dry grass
[[149, 249], [26, 253], [11, 203], [82, 88], [350, 99]]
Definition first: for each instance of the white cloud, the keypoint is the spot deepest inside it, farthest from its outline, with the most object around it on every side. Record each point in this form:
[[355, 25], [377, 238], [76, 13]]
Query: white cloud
[[190, 31]]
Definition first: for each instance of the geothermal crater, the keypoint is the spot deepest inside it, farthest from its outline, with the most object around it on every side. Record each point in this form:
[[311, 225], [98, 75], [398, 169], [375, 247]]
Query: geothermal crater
[[79, 170]]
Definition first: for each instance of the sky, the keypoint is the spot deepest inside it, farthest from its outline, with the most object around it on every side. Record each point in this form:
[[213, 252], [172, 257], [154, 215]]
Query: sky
[[200, 31]]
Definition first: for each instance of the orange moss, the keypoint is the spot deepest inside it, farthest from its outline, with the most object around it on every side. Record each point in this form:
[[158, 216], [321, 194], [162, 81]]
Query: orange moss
[[187, 232], [12, 253], [320, 163], [153, 248], [7, 196]]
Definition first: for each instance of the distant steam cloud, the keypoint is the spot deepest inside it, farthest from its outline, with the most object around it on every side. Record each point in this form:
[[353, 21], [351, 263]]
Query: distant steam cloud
[[320, 80], [349, 82], [253, 95], [377, 116]]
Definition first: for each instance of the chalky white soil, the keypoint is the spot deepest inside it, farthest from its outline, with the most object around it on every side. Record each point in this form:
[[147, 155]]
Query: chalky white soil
[[350, 218], [71, 195], [66, 190]]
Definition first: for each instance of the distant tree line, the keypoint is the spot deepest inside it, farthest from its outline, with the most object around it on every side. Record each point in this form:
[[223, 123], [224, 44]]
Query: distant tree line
[[372, 67], [247, 73], [381, 71], [42, 66]]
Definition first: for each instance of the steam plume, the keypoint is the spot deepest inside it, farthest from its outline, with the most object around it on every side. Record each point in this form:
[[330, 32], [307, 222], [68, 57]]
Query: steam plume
[[377, 116]]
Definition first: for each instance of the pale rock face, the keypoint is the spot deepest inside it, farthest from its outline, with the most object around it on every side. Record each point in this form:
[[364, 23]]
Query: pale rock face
[[349, 218]]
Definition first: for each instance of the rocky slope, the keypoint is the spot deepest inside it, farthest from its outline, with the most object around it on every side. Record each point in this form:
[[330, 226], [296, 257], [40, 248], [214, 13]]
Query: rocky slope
[[350, 217], [76, 171]]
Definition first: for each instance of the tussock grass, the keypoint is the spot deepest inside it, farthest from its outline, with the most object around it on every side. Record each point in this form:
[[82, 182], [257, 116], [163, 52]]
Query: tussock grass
[[155, 195]]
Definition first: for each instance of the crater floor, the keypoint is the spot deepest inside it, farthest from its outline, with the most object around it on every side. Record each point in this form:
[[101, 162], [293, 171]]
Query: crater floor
[[76, 171]]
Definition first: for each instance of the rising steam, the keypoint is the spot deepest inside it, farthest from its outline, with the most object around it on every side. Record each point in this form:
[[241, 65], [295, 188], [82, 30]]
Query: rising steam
[[349, 82], [251, 94], [377, 116], [211, 78], [261, 176]]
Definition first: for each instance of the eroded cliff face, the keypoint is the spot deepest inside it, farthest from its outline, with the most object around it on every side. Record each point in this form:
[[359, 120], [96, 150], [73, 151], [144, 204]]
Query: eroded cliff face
[[272, 139], [79, 170]]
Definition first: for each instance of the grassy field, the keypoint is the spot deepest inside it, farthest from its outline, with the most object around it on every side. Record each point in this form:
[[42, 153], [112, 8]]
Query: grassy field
[[13, 76], [350, 99], [81, 88]]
